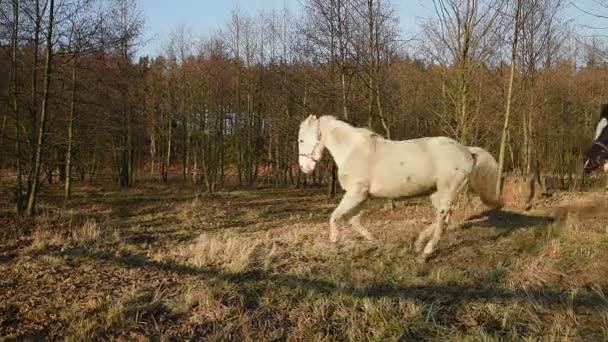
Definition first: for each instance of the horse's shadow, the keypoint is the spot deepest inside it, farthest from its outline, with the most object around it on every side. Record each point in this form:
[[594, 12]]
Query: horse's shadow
[[504, 221]]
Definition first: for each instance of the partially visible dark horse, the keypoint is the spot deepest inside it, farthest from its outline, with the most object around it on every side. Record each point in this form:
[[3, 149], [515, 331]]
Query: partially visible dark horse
[[597, 155]]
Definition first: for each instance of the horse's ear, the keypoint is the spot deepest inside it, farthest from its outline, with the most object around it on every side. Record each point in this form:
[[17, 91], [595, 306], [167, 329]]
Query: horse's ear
[[311, 118], [604, 111], [308, 120]]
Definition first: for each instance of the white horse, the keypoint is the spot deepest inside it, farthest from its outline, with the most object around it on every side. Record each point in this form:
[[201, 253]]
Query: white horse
[[369, 165]]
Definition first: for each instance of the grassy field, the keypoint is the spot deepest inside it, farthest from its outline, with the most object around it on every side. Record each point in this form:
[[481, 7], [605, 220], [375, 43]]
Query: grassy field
[[154, 263]]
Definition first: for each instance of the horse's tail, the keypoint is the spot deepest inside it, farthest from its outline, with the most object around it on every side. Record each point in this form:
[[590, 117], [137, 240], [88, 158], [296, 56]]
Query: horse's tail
[[484, 176]]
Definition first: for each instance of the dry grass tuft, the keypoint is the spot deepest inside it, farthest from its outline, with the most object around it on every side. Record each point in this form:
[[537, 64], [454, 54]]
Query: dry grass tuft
[[89, 234], [201, 213], [45, 236], [235, 254], [537, 270], [137, 310], [82, 329], [190, 213], [198, 302]]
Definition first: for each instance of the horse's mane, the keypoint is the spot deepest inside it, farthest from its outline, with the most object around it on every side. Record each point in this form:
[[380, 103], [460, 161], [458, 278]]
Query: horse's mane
[[344, 124]]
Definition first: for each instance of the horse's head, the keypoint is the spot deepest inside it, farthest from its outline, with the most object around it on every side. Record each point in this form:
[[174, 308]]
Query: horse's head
[[597, 155], [310, 144]]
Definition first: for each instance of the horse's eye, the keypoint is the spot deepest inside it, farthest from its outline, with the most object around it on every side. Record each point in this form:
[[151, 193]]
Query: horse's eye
[[301, 141]]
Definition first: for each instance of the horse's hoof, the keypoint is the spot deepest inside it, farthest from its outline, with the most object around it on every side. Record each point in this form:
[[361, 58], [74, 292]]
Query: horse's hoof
[[422, 259], [413, 248]]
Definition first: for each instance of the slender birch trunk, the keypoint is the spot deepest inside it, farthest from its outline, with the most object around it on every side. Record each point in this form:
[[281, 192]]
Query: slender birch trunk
[[505, 128], [15, 98], [31, 201], [68, 154]]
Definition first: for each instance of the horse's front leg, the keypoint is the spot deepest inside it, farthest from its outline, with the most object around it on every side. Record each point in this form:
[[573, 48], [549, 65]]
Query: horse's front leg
[[349, 203], [423, 238], [425, 235], [355, 222]]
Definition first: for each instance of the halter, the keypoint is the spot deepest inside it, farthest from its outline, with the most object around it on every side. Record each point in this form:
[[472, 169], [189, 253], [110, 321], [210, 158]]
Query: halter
[[314, 148], [601, 144]]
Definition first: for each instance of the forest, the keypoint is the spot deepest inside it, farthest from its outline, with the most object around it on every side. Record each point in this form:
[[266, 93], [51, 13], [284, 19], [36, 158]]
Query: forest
[[221, 109], [159, 197]]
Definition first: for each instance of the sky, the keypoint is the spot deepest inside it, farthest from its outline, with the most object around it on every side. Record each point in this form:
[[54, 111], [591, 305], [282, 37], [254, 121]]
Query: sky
[[204, 16], [201, 16]]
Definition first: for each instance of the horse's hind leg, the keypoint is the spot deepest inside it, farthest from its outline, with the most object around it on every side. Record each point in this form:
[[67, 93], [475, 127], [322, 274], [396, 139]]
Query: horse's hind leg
[[443, 200], [350, 202], [465, 208]]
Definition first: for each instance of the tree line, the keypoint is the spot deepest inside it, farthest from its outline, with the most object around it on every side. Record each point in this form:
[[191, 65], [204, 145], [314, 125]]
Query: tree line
[[222, 109]]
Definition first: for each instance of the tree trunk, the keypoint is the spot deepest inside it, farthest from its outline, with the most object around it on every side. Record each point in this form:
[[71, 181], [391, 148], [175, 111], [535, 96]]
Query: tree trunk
[[4, 117], [333, 183], [371, 67], [195, 165], [152, 153], [68, 154], [34, 96], [186, 160], [524, 149], [167, 163], [464, 92], [93, 169], [15, 98], [31, 201], [334, 170], [505, 128], [531, 149], [129, 155]]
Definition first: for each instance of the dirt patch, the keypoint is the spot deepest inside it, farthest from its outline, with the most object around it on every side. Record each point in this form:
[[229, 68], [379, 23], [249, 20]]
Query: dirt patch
[[524, 193], [579, 206]]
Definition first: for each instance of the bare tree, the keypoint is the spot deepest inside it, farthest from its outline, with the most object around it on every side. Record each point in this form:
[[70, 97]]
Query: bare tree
[[126, 27], [33, 192], [328, 29], [538, 29], [465, 34], [376, 22], [15, 100], [80, 40], [505, 128]]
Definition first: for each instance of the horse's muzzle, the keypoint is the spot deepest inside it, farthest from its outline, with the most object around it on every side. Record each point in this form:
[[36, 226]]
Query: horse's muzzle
[[307, 165], [306, 170]]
